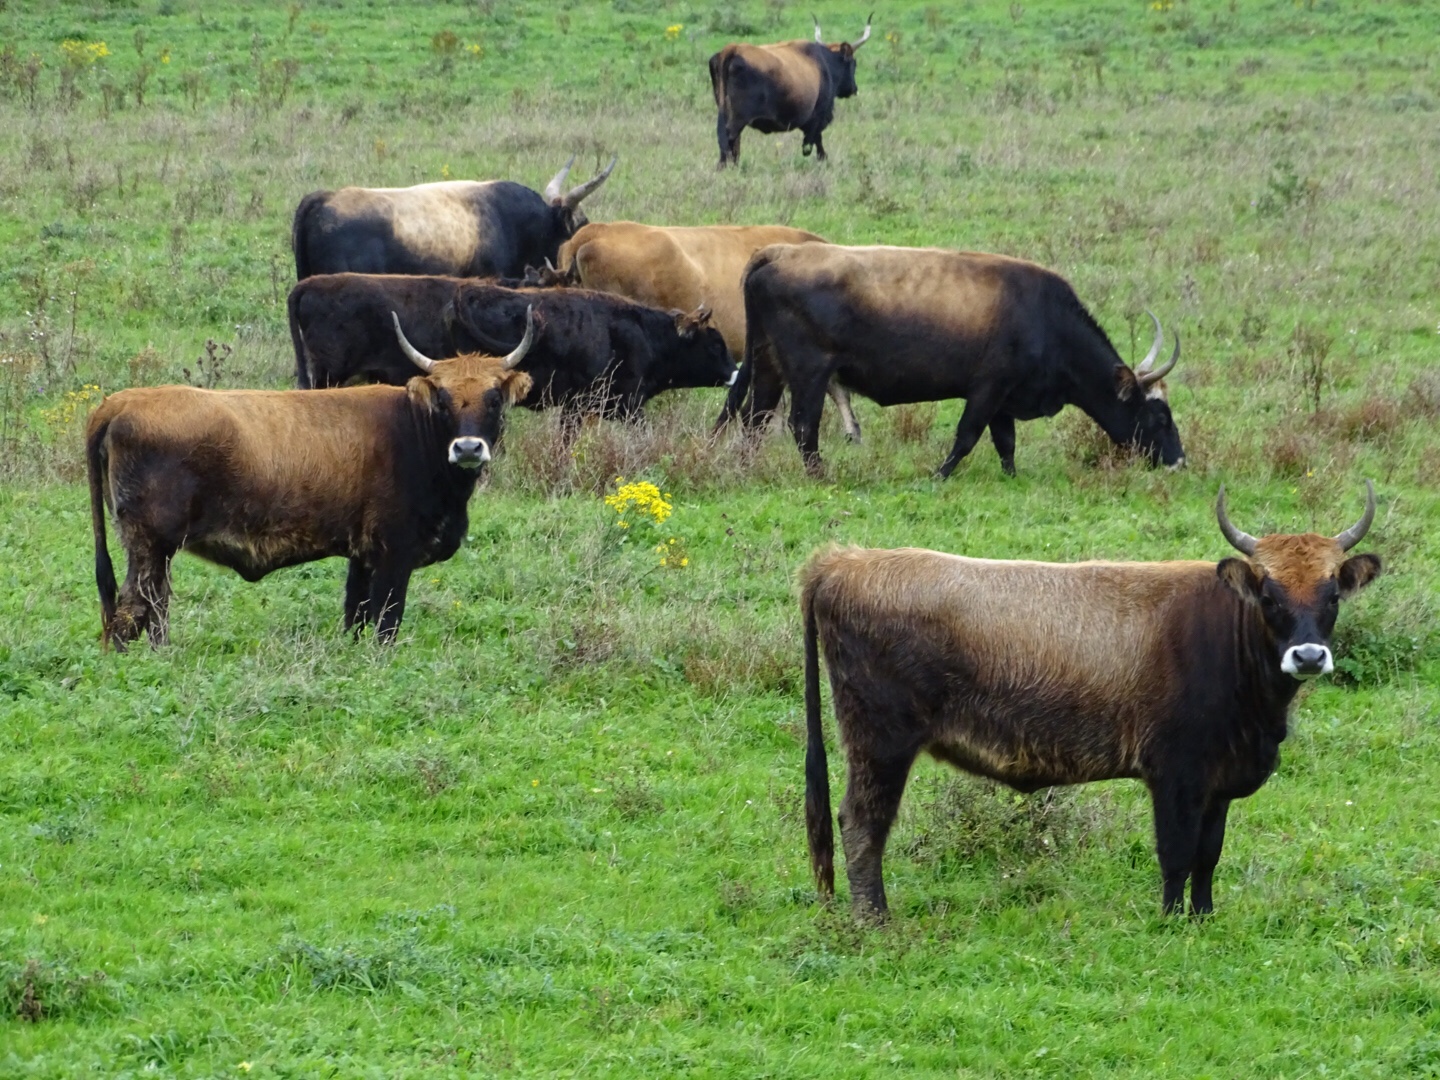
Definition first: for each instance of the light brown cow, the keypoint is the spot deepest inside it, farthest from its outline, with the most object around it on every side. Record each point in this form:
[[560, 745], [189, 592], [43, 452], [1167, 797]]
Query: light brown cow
[[1179, 674], [681, 268], [255, 480]]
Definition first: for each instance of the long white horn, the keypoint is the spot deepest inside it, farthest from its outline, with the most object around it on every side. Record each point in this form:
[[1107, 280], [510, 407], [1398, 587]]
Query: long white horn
[[518, 353], [423, 362], [866, 35], [552, 189], [1353, 535], [1150, 378], [1143, 367], [1239, 539], [575, 194], [817, 31]]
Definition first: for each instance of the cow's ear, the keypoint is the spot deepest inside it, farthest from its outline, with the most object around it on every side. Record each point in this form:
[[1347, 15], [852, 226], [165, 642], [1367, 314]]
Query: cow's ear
[[421, 392], [847, 50], [1241, 577], [1357, 572], [518, 386], [1125, 382]]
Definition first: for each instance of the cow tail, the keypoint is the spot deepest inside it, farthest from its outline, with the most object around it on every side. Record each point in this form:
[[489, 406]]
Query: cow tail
[[303, 378], [97, 462], [717, 80], [303, 268], [819, 825]]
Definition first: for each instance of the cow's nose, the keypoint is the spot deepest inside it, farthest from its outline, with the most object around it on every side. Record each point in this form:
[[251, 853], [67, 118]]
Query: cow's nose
[[1179, 463], [1307, 661], [469, 452]]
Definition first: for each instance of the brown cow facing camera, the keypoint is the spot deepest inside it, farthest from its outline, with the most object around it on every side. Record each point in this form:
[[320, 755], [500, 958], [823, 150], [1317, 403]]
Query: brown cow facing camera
[[1180, 674], [256, 480]]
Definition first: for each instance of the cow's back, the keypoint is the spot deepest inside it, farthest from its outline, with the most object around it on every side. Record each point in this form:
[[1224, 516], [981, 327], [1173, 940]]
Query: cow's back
[[782, 82]]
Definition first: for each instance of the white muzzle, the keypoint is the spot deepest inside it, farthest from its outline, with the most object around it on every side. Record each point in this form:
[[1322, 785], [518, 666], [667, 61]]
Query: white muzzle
[[469, 452], [1307, 661]]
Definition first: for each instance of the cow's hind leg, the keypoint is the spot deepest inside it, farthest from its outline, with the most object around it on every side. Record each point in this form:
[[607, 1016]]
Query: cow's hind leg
[[872, 799], [144, 603], [807, 403], [1179, 809], [979, 410], [841, 397], [1002, 434], [1212, 839], [357, 596]]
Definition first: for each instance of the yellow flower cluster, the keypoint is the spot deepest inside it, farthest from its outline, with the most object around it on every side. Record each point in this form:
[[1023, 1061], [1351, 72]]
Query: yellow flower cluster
[[673, 555], [642, 499], [83, 53], [673, 32], [76, 403]]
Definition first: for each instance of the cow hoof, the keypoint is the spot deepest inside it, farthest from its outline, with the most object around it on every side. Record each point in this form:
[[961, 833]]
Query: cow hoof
[[806, 150]]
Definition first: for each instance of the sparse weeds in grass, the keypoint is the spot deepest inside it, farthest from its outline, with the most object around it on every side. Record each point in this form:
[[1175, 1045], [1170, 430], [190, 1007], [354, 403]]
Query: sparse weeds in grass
[[210, 365], [34, 989], [1309, 349]]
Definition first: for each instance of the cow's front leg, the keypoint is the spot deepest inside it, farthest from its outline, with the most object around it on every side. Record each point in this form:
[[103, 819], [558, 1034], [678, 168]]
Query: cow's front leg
[[978, 413], [819, 146], [388, 585], [1179, 808], [357, 596], [1207, 856]]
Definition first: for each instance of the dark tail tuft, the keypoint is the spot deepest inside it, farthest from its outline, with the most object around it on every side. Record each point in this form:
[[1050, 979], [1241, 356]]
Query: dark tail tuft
[[819, 824], [96, 460]]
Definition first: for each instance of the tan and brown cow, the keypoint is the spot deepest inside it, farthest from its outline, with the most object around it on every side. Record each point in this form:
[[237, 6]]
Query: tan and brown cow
[[1034, 674], [682, 268], [256, 480]]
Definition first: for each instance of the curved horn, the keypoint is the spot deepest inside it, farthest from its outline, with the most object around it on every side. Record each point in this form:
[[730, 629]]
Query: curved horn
[[1143, 367], [1152, 377], [575, 194], [423, 362], [552, 189], [817, 31], [1240, 541], [866, 35], [1353, 535], [518, 353], [550, 266]]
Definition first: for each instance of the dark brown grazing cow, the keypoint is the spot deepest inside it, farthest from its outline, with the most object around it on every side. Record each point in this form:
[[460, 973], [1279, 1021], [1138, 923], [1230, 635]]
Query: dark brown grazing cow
[[780, 88], [597, 352], [260, 479], [469, 228], [1179, 674], [902, 325]]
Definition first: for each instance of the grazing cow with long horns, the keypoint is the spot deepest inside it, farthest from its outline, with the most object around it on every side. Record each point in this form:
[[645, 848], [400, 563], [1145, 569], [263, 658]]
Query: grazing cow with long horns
[[1179, 674], [902, 325], [468, 228], [781, 87], [255, 480]]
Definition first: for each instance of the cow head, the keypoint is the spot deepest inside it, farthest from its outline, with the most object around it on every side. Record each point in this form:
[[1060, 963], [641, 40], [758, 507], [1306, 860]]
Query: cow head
[[566, 204], [548, 277], [1155, 433], [703, 358], [1297, 582], [843, 59], [466, 396]]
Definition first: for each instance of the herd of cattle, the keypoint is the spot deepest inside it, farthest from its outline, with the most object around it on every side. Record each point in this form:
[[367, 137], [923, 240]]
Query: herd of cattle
[[452, 301]]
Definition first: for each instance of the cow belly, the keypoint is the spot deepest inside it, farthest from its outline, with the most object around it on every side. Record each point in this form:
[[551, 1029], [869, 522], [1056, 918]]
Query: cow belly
[[253, 555]]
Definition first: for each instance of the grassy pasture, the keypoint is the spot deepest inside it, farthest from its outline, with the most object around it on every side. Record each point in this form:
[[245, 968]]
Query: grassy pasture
[[557, 829]]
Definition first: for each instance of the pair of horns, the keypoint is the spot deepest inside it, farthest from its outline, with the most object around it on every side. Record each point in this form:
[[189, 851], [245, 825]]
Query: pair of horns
[[854, 44], [572, 198], [425, 364], [1143, 374], [1244, 542]]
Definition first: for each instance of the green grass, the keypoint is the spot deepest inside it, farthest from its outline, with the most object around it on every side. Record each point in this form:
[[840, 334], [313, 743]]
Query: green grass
[[557, 828]]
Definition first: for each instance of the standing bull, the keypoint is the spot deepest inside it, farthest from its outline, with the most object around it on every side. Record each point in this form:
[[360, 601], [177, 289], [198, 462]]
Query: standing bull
[[260, 479], [681, 267], [780, 88], [1179, 674], [901, 325], [468, 228], [597, 351]]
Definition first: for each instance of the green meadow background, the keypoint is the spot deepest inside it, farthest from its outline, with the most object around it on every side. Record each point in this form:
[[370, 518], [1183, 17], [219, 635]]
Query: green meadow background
[[557, 830]]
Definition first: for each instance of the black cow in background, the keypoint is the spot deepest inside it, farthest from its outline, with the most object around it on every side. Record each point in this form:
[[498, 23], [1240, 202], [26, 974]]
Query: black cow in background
[[468, 228]]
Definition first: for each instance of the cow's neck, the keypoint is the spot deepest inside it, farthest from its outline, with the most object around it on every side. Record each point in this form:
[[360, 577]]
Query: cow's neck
[[1096, 396], [1264, 691]]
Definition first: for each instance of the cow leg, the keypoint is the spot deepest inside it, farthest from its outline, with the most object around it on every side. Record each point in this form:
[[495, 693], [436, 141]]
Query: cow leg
[[386, 603], [144, 602], [766, 387], [979, 410], [1179, 809], [357, 596], [841, 397], [872, 799], [722, 136], [1212, 839], [819, 146], [1002, 434], [807, 402]]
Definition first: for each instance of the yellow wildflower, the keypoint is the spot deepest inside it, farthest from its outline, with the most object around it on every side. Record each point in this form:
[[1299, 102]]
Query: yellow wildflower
[[673, 32]]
